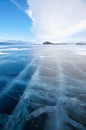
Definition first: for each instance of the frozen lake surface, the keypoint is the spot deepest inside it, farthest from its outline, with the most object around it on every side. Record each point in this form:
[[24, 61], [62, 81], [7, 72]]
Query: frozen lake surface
[[43, 87]]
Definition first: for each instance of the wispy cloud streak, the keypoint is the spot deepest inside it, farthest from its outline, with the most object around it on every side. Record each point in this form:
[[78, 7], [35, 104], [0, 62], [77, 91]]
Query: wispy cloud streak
[[28, 12], [17, 5]]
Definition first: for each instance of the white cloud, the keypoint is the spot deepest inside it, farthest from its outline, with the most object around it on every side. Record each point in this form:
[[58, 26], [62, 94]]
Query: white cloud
[[54, 19], [29, 12]]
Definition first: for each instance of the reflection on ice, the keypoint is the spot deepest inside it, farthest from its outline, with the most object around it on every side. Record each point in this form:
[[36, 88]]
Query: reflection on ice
[[55, 93]]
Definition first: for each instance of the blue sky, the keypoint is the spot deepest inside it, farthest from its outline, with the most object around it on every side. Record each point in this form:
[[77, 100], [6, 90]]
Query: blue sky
[[40, 20], [15, 24]]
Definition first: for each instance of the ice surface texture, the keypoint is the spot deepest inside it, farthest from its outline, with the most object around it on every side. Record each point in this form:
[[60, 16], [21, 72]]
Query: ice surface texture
[[54, 94]]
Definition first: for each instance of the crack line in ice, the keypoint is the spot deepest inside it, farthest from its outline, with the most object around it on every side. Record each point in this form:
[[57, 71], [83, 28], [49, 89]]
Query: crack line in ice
[[18, 77], [62, 104]]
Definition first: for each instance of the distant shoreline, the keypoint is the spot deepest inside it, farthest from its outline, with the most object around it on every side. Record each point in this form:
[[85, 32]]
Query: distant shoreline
[[50, 43]]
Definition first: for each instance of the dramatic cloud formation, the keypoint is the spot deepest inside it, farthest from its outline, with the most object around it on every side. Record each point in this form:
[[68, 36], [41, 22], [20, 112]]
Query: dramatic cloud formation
[[54, 19]]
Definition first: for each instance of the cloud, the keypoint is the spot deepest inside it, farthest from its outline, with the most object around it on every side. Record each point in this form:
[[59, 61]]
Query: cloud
[[17, 5], [55, 19], [28, 11]]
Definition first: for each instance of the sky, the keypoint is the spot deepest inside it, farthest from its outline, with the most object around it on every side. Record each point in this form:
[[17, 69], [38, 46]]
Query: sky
[[43, 20], [15, 24]]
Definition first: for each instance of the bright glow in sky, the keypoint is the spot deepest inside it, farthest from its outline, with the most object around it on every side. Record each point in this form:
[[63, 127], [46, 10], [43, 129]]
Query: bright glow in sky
[[40, 20], [57, 19]]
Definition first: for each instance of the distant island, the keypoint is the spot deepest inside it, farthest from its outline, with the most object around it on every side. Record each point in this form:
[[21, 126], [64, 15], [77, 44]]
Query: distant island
[[72, 43], [50, 43], [47, 43], [14, 42]]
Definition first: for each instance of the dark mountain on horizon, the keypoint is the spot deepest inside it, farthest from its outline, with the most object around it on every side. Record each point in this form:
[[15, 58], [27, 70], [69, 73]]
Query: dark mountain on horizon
[[46, 43], [63, 43]]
